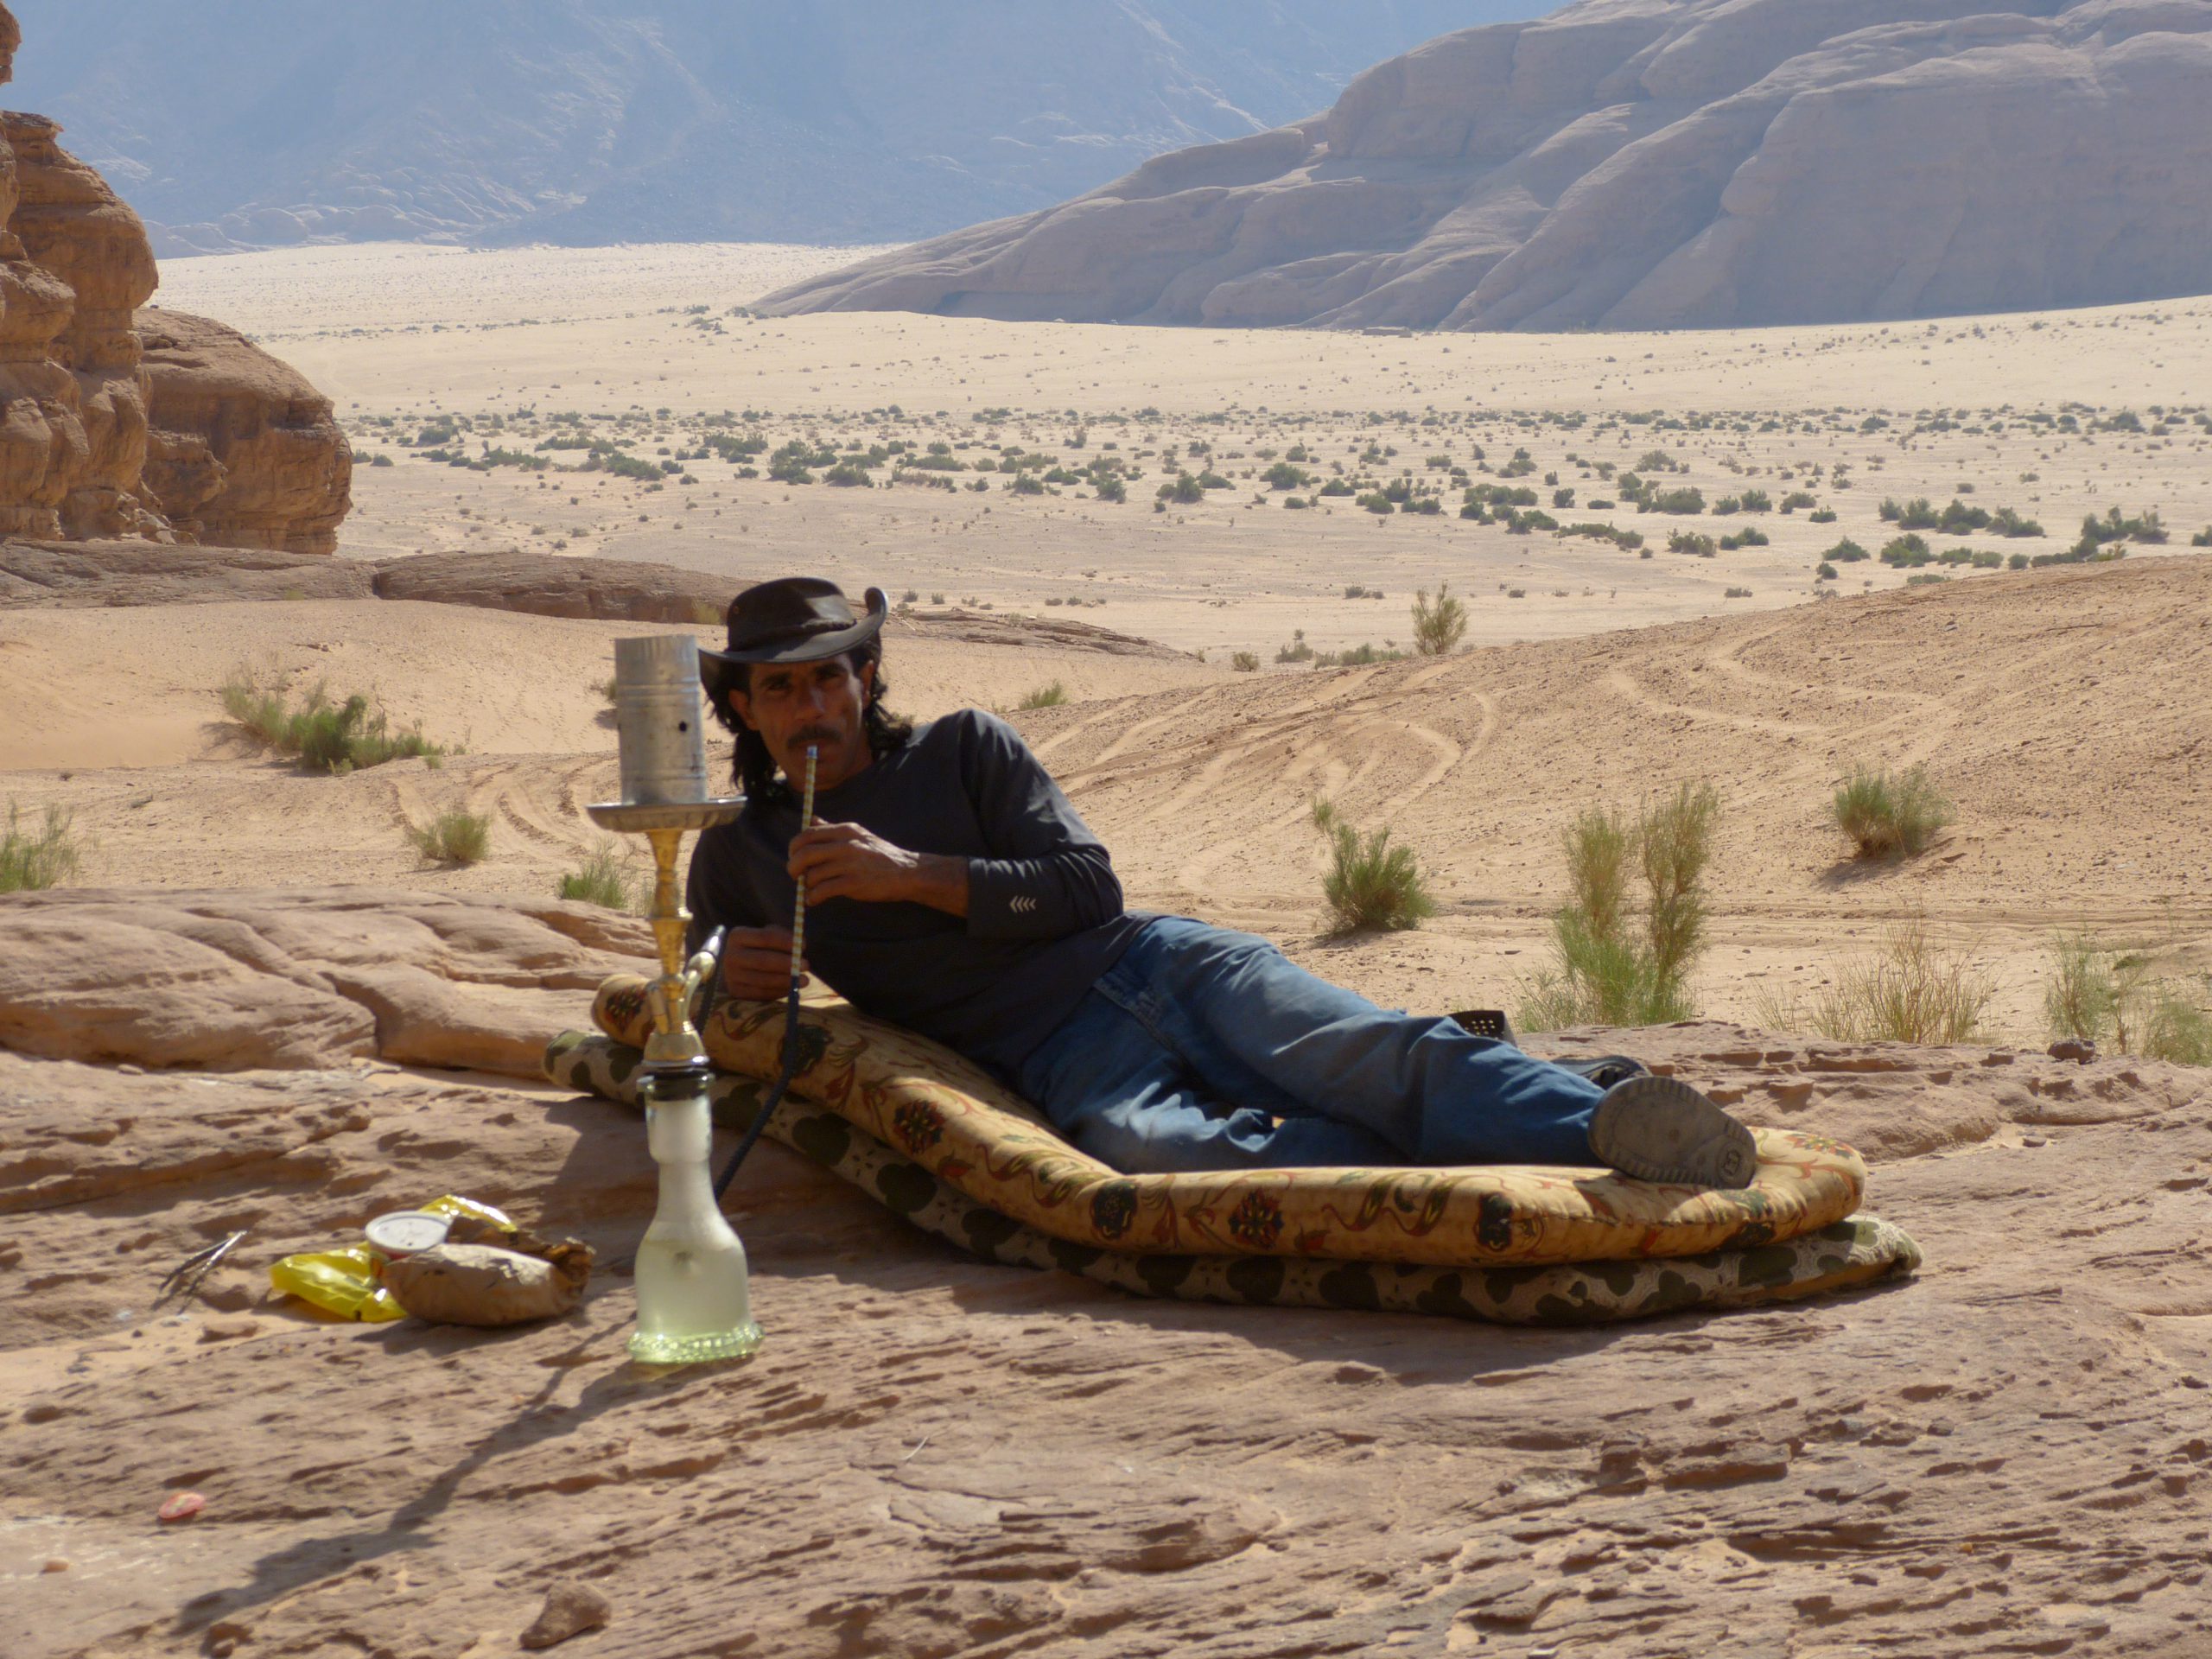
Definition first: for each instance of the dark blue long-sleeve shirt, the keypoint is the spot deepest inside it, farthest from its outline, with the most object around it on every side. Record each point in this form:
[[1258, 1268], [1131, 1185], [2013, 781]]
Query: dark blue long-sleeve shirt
[[1045, 917]]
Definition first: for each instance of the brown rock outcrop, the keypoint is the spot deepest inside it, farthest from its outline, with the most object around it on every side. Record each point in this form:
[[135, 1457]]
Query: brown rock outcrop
[[232, 979], [244, 451], [1628, 164], [74, 227]]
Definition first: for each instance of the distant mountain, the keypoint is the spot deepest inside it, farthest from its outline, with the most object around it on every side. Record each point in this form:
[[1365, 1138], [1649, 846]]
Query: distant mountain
[[245, 122], [1652, 164]]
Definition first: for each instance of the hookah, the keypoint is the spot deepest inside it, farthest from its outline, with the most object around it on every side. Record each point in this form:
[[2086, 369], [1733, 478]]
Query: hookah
[[694, 1297]]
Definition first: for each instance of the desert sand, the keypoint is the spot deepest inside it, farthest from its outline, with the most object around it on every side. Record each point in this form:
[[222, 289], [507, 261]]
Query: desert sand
[[1477, 763], [936, 1457]]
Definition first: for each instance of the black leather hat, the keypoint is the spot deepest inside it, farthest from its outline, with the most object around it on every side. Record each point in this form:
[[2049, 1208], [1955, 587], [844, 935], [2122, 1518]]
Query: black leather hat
[[791, 619]]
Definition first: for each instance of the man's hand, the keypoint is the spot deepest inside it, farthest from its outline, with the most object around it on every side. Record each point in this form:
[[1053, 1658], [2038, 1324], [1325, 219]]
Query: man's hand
[[757, 962], [845, 861]]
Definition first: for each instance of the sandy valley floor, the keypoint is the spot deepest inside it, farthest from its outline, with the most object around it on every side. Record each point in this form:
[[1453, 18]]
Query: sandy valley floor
[[2064, 710]]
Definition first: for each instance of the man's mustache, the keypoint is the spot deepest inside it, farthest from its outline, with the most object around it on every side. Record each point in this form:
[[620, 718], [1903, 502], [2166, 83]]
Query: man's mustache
[[814, 734]]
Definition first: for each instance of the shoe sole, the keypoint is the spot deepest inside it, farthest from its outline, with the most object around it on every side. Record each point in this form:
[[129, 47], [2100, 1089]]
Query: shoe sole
[[1661, 1129]]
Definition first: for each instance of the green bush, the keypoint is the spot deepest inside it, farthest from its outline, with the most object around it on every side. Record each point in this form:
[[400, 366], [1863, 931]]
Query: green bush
[[335, 737], [600, 880], [1846, 551], [1689, 542], [455, 837], [1685, 500], [1889, 815], [1045, 697], [1906, 552], [32, 859], [847, 475], [1907, 992], [2110, 995], [1369, 883], [1186, 489], [1437, 627], [1605, 968]]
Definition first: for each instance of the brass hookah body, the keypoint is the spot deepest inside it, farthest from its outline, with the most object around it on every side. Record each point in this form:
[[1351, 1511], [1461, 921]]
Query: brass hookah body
[[694, 1292]]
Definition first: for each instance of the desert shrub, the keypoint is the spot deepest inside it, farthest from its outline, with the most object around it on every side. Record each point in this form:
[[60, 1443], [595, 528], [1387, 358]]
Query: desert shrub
[[1919, 513], [624, 465], [2203, 538], [1846, 551], [1045, 697], [1889, 815], [2005, 521], [600, 880], [1285, 476], [847, 475], [2110, 995], [1907, 992], [1905, 552], [1727, 505], [1738, 593], [1107, 487], [1244, 661], [1797, 499], [1376, 501], [334, 736], [31, 860], [455, 837], [1824, 571], [1685, 500], [1358, 656], [1186, 489], [1437, 627], [1689, 542], [1629, 540], [1822, 516], [1369, 883], [1608, 967], [1748, 536]]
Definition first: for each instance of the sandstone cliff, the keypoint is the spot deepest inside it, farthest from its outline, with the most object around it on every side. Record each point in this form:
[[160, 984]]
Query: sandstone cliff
[[211, 440], [244, 452], [1635, 164]]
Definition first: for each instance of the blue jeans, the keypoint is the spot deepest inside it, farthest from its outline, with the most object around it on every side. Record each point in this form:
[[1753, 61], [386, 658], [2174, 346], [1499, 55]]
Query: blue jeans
[[1206, 1049]]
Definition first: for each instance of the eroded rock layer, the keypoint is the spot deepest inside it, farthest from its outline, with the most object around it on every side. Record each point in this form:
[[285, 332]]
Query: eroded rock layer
[[246, 452], [1641, 164]]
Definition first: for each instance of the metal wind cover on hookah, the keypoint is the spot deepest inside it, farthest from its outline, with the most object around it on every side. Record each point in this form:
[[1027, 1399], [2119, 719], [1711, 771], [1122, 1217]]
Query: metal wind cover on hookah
[[657, 721]]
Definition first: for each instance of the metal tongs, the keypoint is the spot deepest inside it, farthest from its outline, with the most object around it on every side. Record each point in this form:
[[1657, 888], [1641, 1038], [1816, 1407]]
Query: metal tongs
[[183, 1280]]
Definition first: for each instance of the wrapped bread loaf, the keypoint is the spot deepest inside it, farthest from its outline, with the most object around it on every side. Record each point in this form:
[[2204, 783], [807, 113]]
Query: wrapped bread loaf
[[486, 1284]]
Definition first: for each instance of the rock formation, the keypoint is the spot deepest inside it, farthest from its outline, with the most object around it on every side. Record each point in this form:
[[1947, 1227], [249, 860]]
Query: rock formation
[[244, 452], [213, 440], [1627, 164]]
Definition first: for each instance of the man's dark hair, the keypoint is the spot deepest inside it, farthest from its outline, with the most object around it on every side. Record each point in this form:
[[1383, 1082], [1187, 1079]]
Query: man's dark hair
[[754, 768]]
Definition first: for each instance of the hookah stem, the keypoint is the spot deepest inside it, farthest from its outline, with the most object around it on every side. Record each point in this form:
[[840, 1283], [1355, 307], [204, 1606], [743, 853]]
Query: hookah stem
[[774, 1097]]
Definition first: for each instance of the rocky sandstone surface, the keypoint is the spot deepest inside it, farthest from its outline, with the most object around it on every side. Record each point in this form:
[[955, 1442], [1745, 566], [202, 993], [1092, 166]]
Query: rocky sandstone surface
[[1651, 163], [2007, 1454], [118, 424], [235, 978]]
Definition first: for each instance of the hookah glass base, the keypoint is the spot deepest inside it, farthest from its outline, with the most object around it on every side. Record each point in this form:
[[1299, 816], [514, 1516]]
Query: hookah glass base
[[693, 1298]]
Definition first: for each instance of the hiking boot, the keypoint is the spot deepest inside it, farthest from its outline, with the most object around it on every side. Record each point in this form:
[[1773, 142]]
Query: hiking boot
[[1606, 1069], [1662, 1129]]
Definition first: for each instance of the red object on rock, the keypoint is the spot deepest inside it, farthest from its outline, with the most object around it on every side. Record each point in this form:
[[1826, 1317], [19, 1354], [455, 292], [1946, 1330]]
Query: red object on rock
[[180, 1506]]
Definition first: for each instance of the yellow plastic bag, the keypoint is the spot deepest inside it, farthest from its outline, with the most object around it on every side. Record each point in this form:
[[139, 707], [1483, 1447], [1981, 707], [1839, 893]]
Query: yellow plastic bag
[[337, 1281], [343, 1280]]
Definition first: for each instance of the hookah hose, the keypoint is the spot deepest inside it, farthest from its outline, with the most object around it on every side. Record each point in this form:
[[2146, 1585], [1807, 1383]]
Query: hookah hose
[[774, 1097]]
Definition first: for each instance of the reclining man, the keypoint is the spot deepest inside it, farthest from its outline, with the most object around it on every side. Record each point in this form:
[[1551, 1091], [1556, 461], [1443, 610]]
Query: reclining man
[[952, 889]]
